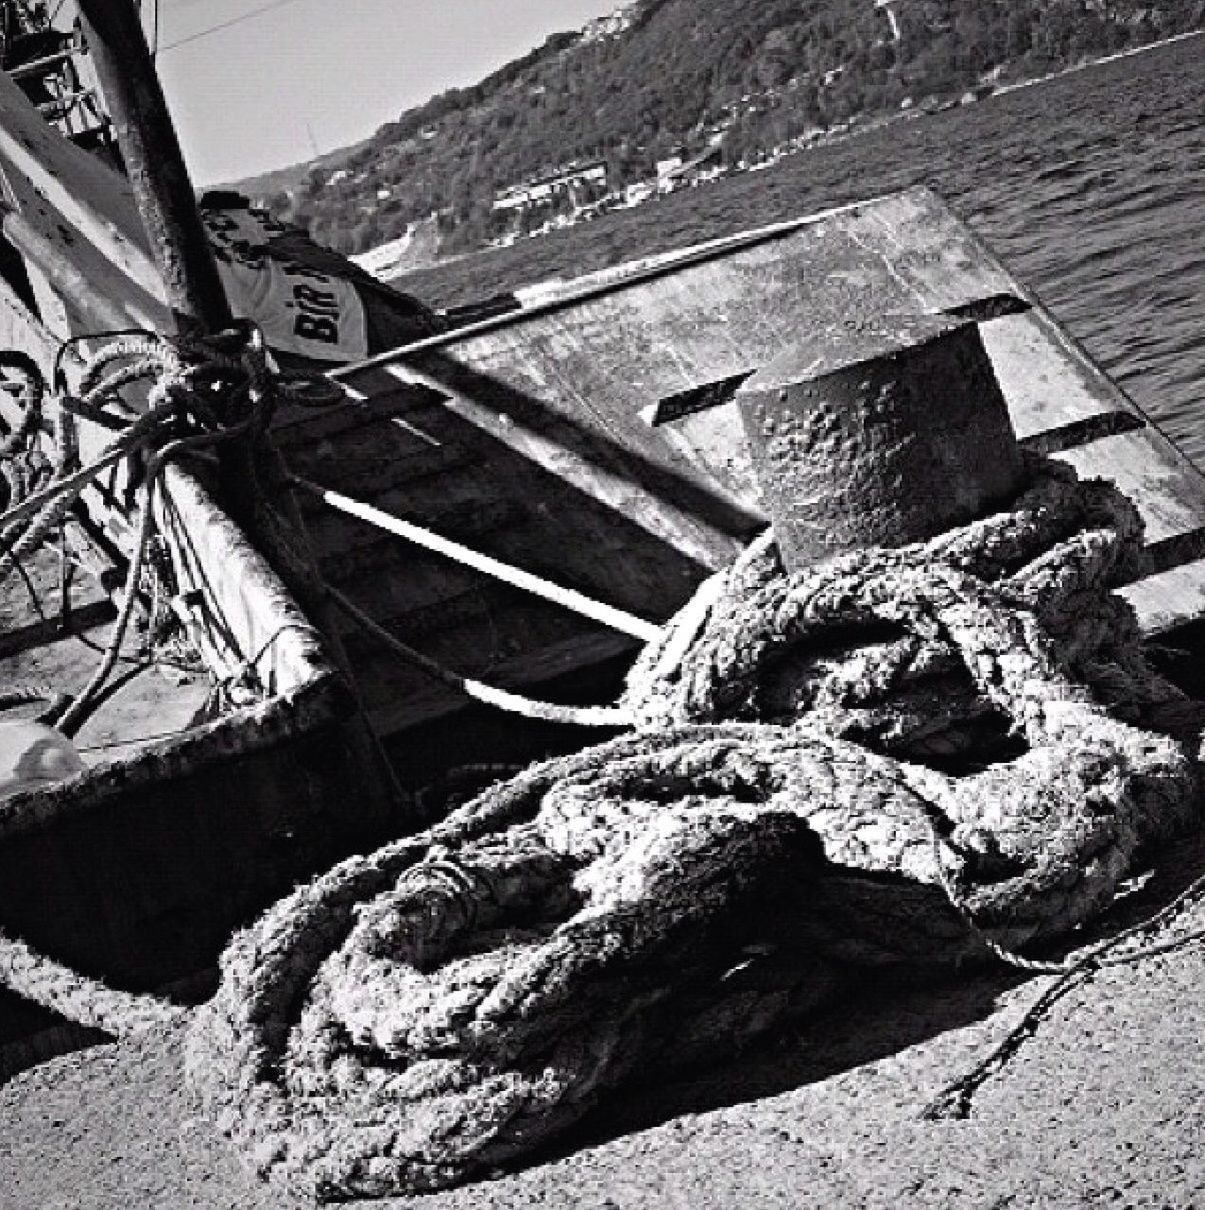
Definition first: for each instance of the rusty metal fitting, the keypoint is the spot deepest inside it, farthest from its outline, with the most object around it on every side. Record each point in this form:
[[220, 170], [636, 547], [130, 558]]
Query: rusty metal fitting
[[878, 433]]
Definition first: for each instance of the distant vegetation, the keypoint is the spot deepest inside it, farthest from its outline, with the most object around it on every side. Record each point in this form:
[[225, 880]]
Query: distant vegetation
[[673, 76]]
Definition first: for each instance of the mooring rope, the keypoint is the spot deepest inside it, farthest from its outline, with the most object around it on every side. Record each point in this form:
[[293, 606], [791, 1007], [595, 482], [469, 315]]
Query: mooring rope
[[567, 598], [956, 1098], [423, 1013], [454, 1000], [1049, 559], [83, 1000], [201, 393]]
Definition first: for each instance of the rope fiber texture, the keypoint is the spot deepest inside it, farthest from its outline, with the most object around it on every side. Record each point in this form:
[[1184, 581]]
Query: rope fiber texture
[[454, 1000], [200, 393]]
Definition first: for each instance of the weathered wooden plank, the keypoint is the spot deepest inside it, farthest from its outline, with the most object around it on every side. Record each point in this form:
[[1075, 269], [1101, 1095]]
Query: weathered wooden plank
[[1169, 598], [87, 194], [1047, 389], [569, 384], [1171, 504], [678, 509], [81, 208]]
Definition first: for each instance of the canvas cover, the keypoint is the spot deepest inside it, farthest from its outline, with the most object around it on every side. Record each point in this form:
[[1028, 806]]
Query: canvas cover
[[310, 302], [299, 309]]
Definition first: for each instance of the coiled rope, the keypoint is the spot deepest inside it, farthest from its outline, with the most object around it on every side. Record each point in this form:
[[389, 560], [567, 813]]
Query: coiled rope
[[23, 464], [454, 1000], [201, 393], [451, 1001], [772, 647]]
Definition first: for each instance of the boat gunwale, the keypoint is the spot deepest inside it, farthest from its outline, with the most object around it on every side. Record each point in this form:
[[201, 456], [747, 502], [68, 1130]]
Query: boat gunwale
[[615, 278], [316, 693]]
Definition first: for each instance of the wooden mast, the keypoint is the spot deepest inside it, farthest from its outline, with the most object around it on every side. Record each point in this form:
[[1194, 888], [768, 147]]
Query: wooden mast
[[254, 488], [155, 165]]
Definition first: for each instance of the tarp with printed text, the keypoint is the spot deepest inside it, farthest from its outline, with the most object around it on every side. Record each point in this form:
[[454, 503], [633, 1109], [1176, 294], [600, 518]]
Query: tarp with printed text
[[309, 301]]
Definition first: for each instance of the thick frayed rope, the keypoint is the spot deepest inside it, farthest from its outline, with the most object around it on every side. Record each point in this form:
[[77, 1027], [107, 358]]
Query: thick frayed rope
[[759, 644], [82, 1000], [455, 1000]]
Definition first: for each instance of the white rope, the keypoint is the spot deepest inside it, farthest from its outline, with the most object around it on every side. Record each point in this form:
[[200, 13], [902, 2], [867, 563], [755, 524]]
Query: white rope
[[579, 603], [513, 703]]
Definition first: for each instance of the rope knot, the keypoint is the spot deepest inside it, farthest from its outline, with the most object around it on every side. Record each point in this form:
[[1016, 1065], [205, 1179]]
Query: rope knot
[[895, 756]]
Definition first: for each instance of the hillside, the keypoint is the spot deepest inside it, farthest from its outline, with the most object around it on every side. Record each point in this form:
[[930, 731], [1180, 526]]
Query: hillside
[[682, 77], [278, 180]]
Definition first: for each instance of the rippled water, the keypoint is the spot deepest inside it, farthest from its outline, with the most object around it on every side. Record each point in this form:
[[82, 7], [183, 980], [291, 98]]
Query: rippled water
[[1094, 190], [1091, 186]]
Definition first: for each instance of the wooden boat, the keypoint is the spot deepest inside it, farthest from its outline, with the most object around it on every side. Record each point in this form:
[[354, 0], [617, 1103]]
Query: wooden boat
[[610, 403], [588, 439], [186, 822]]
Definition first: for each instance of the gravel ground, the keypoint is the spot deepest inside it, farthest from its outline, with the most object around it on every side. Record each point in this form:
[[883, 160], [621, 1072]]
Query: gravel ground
[[1103, 1106]]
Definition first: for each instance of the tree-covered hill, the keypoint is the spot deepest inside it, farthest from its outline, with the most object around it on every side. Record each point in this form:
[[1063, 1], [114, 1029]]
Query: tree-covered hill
[[672, 76]]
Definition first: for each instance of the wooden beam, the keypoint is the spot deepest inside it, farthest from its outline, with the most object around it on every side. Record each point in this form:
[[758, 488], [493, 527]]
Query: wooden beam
[[76, 187], [65, 277], [155, 165]]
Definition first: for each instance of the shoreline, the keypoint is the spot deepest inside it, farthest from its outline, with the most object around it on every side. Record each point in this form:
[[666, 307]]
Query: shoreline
[[860, 125], [1085, 64]]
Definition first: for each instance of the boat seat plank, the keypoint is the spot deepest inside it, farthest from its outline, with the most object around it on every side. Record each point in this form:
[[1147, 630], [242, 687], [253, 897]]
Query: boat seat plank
[[1170, 598], [1081, 432], [571, 480], [1171, 504]]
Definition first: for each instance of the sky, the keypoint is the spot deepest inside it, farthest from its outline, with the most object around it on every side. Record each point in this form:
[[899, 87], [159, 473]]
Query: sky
[[265, 91]]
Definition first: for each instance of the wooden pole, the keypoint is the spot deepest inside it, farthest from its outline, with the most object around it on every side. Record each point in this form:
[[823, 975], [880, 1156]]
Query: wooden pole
[[257, 495], [155, 165]]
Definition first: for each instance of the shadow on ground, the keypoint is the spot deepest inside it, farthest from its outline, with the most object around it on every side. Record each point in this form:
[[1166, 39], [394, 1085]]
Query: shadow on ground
[[877, 1015]]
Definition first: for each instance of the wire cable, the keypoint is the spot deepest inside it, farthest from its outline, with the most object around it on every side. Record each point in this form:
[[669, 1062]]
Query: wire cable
[[213, 29]]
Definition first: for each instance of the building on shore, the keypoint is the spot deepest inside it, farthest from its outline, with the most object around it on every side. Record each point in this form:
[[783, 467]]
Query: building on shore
[[571, 181]]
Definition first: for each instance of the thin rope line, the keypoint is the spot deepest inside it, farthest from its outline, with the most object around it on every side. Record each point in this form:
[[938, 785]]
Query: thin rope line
[[214, 29]]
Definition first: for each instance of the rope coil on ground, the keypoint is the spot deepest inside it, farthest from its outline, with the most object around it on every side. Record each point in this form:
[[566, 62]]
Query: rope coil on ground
[[423, 1013], [448, 1003]]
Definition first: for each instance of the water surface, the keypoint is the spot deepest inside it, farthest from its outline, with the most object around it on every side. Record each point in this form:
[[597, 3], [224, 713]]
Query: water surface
[[1091, 186]]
